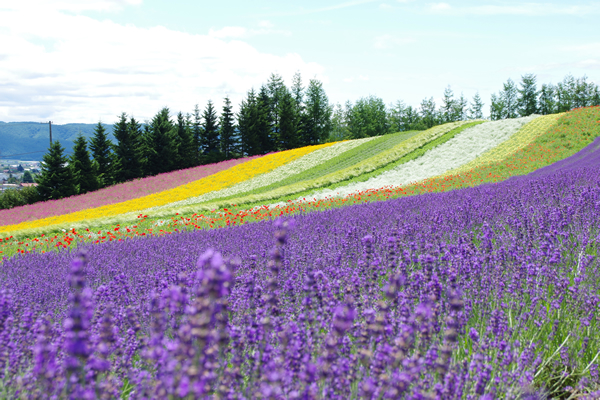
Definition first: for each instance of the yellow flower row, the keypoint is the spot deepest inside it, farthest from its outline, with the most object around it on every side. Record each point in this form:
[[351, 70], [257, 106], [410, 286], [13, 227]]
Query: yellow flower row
[[516, 142], [220, 180]]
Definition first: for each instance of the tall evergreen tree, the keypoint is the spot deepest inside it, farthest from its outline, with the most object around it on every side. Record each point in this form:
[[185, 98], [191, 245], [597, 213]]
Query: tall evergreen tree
[[82, 170], [276, 90], [101, 148], [428, 113], [497, 107], [297, 91], [459, 111], [136, 165], [263, 116], [448, 104], [546, 102], [197, 135], [288, 127], [184, 142], [318, 114], [127, 152], [211, 134], [583, 92], [476, 109], [528, 94], [229, 140], [509, 99], [161, 147], [249, 141], [55, 180], [412, 120], [27, 177]]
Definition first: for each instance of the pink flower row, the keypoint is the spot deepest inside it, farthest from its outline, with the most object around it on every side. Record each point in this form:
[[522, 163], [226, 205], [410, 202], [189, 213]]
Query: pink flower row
[[114, 194]]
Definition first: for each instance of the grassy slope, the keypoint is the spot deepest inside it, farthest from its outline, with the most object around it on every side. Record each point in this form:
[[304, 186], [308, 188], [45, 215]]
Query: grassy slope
[[568, 135]]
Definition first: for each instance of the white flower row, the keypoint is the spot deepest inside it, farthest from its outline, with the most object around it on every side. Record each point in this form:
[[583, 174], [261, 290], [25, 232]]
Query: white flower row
[[463, 148], [295, 167]]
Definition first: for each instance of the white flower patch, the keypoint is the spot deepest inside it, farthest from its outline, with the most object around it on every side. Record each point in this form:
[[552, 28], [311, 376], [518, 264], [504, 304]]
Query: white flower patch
[[295, 167], [463, 148]]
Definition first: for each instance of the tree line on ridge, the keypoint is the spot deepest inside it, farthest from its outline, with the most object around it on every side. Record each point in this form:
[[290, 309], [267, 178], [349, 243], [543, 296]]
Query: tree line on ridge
[[273, 118]]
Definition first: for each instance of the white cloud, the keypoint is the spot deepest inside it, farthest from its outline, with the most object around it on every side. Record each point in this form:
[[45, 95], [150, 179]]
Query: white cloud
[[388, 41], [228, 32], [385, 6], [72, 68]]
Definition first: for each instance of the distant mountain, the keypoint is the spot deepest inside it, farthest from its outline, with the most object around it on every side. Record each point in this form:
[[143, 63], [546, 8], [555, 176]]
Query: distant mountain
[[29, 141]]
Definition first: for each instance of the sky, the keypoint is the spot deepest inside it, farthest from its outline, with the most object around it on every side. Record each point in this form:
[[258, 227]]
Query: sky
[[90, 60]]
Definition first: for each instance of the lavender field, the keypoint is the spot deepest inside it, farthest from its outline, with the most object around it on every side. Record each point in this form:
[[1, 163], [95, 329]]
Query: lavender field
[[481, 293]]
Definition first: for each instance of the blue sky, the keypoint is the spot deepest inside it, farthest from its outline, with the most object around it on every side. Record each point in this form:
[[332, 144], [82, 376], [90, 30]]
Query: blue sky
[[90, 60]]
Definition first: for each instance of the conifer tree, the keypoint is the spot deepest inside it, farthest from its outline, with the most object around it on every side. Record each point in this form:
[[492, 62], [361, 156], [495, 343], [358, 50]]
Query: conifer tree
[[528, 94], [497, 107], [297, 91], [476, 109], [546, 102], [317, 125], [288, 126], [197, 135], [55, 180], [276, 90], [161, 150], [101, 148], [81, 166], [229, 141], [429, 115], [127, 150], [210, 138], [184, 141], [249, 141], [459, 111], [27, 177], [448, 104], [265, 125], [136, 136], [509, 99]]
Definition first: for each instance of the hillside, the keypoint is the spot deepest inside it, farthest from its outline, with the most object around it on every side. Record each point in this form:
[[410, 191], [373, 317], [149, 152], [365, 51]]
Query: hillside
[[30, 140], [453, 263]]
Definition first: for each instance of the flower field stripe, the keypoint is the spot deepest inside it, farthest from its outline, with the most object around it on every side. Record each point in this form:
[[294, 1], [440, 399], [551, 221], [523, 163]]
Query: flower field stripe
[[115, 194], [459, 150], [352, 157], [216, 181], [288, 170], [405, 295], [371, 164], [518, 141]]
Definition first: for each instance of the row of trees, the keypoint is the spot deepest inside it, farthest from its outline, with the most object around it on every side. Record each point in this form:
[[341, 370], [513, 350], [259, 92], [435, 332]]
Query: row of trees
[[369, 116], [513, 101], [277, 118]]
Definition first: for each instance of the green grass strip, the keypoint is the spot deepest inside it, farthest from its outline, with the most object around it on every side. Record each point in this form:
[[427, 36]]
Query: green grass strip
[[342, 161], [418, 143]]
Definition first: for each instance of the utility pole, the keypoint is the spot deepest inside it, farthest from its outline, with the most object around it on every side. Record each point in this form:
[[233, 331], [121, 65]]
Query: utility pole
[[50, 124]]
